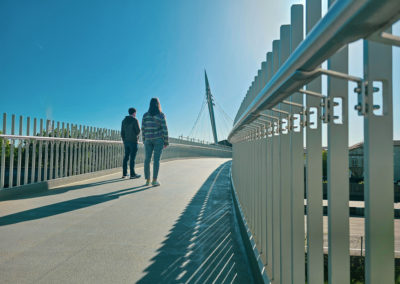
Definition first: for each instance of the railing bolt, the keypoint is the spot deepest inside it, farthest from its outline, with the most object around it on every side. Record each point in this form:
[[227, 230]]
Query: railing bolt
[[376, 107]]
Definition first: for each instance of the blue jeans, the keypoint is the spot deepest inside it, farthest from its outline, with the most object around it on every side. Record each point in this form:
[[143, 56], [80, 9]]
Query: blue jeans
[[151, 145], [131, 149]]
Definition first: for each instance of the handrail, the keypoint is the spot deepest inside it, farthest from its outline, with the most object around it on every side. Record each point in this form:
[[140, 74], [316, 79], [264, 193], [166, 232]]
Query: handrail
[[60, 139], [345, 22]]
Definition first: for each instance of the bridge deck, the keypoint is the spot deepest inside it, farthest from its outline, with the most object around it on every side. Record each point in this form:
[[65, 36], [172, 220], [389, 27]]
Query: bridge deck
[[111, 230]]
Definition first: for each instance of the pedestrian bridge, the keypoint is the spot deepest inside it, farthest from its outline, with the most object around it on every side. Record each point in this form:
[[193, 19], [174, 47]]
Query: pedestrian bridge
[[113, 230], [295, 215]]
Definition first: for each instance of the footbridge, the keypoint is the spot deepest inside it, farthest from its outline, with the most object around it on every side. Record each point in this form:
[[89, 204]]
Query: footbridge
[[279, 206]]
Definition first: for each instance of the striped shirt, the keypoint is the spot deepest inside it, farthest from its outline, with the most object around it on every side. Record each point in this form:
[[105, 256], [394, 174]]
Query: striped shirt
[[154, 127]]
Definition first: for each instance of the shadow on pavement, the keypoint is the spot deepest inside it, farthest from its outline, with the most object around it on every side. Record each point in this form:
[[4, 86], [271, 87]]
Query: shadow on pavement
[[67, 206], [66, 188], [204, 246]]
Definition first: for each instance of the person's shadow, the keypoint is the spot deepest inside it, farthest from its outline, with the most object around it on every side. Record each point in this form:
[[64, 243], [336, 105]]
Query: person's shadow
[[67, 206]]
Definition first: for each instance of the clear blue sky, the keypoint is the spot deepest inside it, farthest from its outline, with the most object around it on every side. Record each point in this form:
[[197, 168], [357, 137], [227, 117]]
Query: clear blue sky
[[86, 62]]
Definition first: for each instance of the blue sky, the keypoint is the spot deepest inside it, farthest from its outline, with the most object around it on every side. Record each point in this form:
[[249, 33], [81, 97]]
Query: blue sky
[[86, 62]]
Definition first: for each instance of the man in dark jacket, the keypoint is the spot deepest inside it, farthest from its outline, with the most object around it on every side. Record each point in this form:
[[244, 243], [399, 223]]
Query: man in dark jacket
[[130, 134]]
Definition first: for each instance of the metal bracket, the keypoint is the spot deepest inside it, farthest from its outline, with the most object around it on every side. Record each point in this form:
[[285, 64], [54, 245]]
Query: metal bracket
[[321, 71], [291, 103], [325, 109], [267, 115], [385, 38], [280, 111], [311, 93], [362, 91]]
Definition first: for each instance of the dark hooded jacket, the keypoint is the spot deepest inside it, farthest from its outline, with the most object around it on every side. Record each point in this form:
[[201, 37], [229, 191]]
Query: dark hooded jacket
[[130, 129]]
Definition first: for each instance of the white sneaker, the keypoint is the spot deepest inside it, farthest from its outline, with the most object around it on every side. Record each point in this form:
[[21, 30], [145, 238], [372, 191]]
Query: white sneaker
[[155, 183]]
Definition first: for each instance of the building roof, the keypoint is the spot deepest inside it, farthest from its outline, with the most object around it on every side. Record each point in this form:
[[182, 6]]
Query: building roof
[[361, 144]]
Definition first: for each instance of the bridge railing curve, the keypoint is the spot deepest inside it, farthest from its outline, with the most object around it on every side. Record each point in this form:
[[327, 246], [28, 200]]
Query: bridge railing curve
[[36, 151], [275, 174]]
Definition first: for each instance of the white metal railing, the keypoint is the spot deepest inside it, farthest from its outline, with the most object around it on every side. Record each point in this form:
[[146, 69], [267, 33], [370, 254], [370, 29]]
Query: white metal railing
[[269, 174], [57, 150]]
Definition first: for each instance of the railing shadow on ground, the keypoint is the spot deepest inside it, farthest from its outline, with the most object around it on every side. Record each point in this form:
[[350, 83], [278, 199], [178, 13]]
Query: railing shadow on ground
[[204, 246], [63, 189], [69, 205]]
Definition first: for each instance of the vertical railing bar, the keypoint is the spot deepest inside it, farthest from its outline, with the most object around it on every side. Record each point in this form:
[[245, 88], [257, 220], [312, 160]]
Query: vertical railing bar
[[27, 146], [297, 165], [276, 180], [285, 175], [378, 166], [33, 167], [39, 179], [57, 152], [67, 145], [46, 151], [90, 150], [315, 260], [62, 150], [71, 151], [51, 133], [79, 150], [3, 153], [11, 168], [337, 173], [270, 199], [19, 158], [74, 150]]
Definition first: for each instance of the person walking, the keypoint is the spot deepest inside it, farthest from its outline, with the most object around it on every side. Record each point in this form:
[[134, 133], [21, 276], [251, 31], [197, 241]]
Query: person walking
[[130, 131], [155, 139]]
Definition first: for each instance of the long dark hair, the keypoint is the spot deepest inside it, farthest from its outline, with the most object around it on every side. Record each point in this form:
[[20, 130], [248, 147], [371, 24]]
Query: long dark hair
[[155, 107]]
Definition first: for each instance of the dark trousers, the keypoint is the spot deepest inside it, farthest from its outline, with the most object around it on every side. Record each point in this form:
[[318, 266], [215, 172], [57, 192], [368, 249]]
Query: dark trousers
[[131, 149]]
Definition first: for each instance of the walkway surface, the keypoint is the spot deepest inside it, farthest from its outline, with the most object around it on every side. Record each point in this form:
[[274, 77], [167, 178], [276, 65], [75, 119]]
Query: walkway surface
[[110, 230]]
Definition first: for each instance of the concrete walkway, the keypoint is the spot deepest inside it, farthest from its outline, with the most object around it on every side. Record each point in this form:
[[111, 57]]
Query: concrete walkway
[[110, 230]]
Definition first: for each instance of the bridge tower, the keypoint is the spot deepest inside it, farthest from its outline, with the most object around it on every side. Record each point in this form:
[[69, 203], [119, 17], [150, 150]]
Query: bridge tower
[[211, 108]]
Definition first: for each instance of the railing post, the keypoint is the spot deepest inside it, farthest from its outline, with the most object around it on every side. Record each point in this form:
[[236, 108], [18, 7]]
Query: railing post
[[315, 254], [285, 174], [378, 167], [270, 177], [297, 164], [19, 158], [26, 167], [12, 142], [276, 267], [3, 153], [337, 171]]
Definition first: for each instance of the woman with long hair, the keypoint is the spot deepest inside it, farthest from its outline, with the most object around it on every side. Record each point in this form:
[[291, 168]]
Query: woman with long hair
[[155, 139]]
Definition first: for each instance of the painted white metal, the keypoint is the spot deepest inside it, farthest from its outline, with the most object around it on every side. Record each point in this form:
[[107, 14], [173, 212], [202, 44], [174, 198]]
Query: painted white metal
[[285, 175], [12, 143], [378, 168], [39, 164], [19, 158], [272, 99], [33, 170], [82, 154], [270, 194], [3, 153], [315, 262], [27, 144], [338, 177], [297, 164]]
